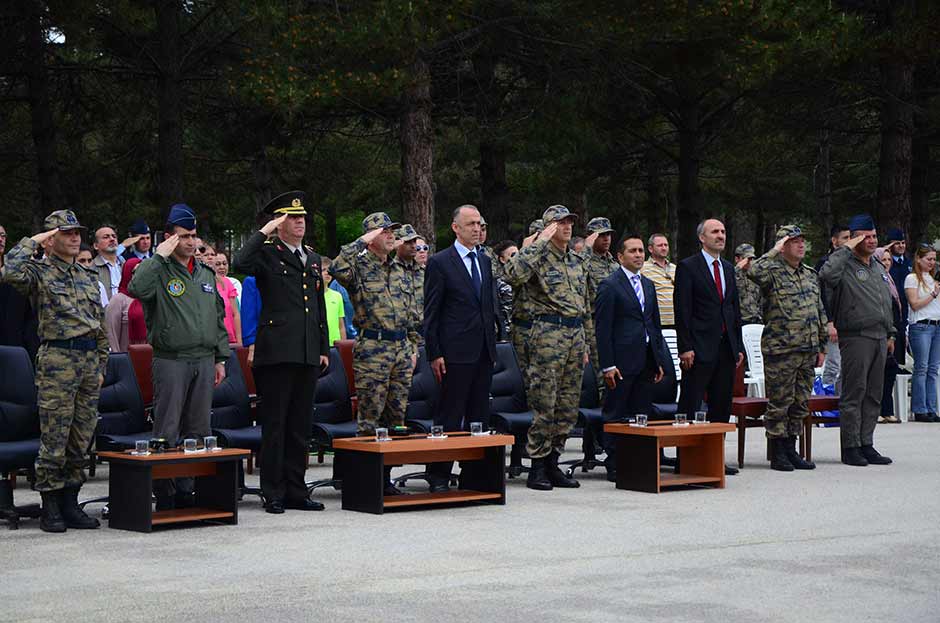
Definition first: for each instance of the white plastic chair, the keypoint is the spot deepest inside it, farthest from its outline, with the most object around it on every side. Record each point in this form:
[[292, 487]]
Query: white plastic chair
[[902, 397], [672, 341], [754, 379]]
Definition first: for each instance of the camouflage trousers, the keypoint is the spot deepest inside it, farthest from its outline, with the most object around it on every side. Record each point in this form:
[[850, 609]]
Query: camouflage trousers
[[520, 337], [596, 364], [789, 380], [383, 370], [553, 385], [67, 392]]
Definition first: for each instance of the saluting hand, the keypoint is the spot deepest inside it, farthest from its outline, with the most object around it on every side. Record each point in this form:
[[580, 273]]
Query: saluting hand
[[166, 248], [589, 241], [549, 232], [529, 239], [853, 242], [371, 235], [783, 241], [131, 240], [744, 262], [273, 224], [44, 236]]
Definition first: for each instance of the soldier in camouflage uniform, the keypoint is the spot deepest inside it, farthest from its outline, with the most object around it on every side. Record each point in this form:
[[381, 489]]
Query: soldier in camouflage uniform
[[70, 365], [751, 301], [555, 282], [793, 342], [414, 274], [387, 345], [521, 315], [599, 264]]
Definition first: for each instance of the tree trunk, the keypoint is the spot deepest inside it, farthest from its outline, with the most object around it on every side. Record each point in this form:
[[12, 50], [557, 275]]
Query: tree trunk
[[920, 173], [40, 108], [656, 212], [822, 182], [897, 123], [494, 191], [169, 105], [690, 208], [417, 186]]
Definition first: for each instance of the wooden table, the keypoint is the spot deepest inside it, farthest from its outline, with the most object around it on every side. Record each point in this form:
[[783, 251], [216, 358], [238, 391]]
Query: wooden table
[[363, 459], [130, 487], [700, 449]]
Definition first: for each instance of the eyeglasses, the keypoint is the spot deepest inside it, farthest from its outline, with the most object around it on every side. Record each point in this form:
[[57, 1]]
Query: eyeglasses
[[422, 247]]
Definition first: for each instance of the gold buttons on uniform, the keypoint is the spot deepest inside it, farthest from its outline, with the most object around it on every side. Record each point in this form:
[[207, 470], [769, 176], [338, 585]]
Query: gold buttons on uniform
[[305, 286], [306, 310], [305, 297]]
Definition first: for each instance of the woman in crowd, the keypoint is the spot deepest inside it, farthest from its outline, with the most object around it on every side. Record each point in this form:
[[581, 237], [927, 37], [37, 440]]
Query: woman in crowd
[[504, 251], [233, 319], [124, 315], [86, 259], [922, 291], [221, 268]]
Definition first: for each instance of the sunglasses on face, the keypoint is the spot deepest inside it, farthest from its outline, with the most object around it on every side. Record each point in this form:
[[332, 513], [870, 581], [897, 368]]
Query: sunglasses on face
[[422, 247]]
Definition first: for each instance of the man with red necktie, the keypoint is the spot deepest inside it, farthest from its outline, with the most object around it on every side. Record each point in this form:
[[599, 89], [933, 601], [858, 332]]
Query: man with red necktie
[[708, 326]]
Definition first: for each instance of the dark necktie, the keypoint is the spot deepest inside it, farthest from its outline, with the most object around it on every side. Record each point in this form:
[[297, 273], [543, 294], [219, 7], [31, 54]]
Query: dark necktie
[[475, 273], [721, 293], [299, 257]]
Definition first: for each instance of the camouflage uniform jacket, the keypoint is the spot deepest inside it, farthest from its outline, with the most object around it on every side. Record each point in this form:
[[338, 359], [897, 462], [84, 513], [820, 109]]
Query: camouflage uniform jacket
[[555, 281], [599, 267], [794, 318], [379, 289], [751, 297], [66, 295], [414, 278]]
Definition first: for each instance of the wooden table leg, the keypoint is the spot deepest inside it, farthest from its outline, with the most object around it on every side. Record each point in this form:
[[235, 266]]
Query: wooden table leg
[[363, 481], [637, 463]]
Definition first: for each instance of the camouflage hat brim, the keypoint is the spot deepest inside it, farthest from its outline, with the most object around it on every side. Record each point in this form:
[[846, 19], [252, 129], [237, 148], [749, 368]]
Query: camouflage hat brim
[[70, 227], [391, 225]]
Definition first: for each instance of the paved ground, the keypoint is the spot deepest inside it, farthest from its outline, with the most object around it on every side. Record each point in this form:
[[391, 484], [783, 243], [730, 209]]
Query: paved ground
[[838, 544]]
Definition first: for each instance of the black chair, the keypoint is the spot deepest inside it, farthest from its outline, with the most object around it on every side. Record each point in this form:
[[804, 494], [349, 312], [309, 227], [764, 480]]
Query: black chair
[[422, 401], [19, 429], [332, 416], [665, 396], [122, 421], [509, 412], [590, 424], [230, 418]]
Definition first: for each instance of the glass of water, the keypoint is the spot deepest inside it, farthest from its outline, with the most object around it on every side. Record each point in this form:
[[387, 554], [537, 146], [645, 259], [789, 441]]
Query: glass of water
[[700, 417], [381, 434], [189, 446], [681, 420], [212, 443], [476, 428], [141, 447], [437, 430], [641, 419]]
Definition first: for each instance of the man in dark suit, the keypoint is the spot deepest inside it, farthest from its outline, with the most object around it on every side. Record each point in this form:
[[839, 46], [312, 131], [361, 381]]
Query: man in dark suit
[[708, 326], [460, 319], [630, 344], [901, 267], [291, 347]]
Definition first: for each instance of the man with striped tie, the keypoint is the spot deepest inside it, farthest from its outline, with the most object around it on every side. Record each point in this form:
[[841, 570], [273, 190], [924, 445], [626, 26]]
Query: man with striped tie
[[627, 323]]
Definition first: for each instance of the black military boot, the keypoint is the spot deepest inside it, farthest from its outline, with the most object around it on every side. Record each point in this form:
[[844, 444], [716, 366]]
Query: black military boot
[[51, 519], [796, 460], [538, 478], [390, 488], [873, 456], [778, 455], [558, 477], [853, 456], [73, 514]]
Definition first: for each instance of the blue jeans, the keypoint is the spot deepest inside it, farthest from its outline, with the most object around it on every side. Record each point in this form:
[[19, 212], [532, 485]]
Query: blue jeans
[[925, 344]]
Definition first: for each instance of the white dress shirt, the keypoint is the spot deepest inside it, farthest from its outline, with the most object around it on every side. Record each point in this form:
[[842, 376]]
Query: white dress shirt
[[293, 250], [467, 262]]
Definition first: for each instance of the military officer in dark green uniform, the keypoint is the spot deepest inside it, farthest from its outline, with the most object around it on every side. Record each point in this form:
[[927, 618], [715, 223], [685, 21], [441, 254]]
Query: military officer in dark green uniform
[[405, 254], [70, 364], [793, 341], [599, 264], [291, 349], [749, 292]]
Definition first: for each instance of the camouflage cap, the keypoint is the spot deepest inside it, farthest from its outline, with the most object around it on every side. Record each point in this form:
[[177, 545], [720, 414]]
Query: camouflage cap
[[792, 231], [599, 225], [377, 220], [407, 233], [536, 226], [63, 220], [557, 213], [745, 250]]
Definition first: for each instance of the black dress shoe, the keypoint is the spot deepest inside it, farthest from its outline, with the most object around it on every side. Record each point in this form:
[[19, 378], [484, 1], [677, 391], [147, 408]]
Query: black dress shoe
[[275, 507], [538, 478], [922, 417], [731, 471], [873, 456], [611, 475], [304, 504], [854, 457]]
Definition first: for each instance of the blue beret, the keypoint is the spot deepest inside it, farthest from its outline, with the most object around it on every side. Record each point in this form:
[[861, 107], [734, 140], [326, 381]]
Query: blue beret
[[861, 222], [140, 227], [182, 215], [896, 235]]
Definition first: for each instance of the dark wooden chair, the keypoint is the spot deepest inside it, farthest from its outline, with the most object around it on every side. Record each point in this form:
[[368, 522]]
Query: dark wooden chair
[[816, 405], [748, 411]]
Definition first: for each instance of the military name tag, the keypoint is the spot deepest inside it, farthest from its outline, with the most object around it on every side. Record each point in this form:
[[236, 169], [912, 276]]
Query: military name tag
[[207, 287]]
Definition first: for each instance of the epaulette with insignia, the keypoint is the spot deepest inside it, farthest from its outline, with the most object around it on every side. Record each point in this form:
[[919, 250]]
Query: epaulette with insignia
[[268, 241]]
